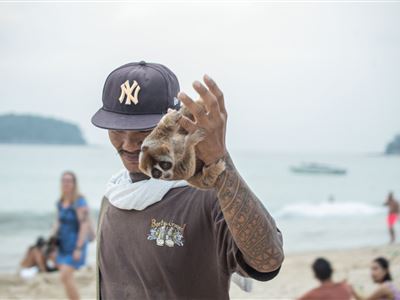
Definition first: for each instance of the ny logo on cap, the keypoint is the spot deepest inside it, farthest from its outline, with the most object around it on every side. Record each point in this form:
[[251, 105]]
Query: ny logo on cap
[[127, 90]]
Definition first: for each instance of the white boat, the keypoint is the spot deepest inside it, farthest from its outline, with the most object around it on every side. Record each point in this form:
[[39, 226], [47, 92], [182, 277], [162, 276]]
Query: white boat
[[316, 168]]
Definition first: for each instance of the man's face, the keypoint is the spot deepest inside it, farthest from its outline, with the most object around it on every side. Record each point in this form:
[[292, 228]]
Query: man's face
[[128, 143]]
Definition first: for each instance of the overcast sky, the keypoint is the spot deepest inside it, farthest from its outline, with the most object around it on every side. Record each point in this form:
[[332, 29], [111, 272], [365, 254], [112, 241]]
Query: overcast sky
[[320, 77]]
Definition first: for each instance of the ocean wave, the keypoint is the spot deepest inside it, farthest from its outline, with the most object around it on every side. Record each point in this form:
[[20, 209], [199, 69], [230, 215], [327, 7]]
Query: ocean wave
[[11, 222], [323, 209]]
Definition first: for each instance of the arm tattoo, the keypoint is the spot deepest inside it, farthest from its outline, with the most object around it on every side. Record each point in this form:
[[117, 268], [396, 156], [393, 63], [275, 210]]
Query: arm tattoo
[[251, 225], [83, 217]]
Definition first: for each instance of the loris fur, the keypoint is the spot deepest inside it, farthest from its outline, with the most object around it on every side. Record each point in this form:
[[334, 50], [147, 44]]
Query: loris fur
[[168, 153]]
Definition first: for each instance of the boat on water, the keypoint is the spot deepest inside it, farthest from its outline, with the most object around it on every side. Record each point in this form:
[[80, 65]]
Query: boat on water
[[317, 168]]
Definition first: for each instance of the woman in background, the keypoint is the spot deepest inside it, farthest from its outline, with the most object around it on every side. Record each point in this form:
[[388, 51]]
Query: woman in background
[[71, 231], [380, 274]]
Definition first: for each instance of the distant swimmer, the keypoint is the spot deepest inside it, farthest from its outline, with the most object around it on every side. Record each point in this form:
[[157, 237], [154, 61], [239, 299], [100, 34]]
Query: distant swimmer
[[393, 215]]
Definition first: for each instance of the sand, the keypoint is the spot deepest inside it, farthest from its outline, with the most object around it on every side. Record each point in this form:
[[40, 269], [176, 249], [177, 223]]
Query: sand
[[294, 279]]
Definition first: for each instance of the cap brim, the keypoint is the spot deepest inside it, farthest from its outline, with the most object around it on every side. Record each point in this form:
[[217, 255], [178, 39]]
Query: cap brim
[[115, 121]]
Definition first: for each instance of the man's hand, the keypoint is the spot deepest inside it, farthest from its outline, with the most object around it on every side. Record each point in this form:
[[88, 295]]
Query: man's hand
[[212, 120]]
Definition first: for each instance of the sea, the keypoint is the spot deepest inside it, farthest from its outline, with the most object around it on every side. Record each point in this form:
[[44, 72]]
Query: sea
[[314, 212]]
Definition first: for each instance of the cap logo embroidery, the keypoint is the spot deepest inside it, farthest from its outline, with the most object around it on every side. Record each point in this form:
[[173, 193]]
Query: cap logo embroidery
[[127, 90]]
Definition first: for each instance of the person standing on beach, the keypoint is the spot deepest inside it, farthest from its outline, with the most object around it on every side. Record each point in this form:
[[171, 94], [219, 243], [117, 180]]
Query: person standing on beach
[[328, 289], [393, 215], [164, 239], [380, 274], [71, 230]]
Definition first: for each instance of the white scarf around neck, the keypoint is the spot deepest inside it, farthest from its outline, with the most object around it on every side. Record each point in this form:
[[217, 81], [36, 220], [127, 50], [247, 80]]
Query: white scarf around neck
[[124, 194]]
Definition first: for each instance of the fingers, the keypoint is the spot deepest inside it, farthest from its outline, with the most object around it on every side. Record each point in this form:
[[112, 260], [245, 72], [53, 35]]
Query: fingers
[[196, 110], [216, 92], [212, 97], [187, 124], [209, 99]]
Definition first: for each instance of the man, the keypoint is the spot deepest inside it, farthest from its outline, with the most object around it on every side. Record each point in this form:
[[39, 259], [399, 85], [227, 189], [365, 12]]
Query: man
[[163, 239], [393, 215], [328, 290]]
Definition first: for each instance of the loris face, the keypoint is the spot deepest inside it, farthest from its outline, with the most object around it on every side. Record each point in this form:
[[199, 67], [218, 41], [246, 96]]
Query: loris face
[[156, 162]]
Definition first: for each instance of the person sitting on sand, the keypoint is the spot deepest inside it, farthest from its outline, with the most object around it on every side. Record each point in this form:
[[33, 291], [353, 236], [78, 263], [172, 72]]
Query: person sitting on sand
[[34, 260], [211, 233], [38, 258], [380, 274], [71, 230], [51, 254], [393, 215], [328, 289]]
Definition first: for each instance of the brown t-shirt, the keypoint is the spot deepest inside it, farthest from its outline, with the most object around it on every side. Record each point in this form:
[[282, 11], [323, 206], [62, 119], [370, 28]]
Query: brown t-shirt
[[329, 291], [178, 248]]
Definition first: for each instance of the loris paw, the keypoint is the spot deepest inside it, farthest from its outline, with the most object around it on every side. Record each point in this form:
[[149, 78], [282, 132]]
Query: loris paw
[[194, 138], [208, 176]]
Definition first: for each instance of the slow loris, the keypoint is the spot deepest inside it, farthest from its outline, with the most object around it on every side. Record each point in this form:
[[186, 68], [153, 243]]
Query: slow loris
[[168, 153]]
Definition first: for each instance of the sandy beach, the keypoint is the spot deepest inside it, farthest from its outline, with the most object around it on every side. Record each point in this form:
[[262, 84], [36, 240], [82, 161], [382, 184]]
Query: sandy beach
[[294, 279]]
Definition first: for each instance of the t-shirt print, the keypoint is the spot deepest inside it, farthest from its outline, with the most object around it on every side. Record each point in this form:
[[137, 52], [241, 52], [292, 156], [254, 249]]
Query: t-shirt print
[[166, 233]]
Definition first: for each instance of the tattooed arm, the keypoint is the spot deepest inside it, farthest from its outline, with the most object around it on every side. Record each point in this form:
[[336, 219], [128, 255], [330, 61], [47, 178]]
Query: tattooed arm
[[83, 218], [250, 224], [252, 227]]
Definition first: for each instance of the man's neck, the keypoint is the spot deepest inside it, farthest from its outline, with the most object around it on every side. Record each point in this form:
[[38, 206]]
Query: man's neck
[[138, 176], [327, 282]]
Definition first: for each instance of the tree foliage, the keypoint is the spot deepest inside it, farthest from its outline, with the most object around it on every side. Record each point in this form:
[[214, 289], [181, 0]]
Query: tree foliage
[[30, 129]]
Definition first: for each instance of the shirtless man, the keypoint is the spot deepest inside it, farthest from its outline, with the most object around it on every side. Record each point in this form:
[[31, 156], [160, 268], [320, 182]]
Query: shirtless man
[[393, 215]]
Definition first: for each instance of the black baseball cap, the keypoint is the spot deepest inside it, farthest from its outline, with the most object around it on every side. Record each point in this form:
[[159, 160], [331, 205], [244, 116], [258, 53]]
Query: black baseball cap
[[136, 96]]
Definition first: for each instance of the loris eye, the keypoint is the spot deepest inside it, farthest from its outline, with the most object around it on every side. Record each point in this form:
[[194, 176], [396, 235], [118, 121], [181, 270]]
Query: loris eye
[[165, 165]]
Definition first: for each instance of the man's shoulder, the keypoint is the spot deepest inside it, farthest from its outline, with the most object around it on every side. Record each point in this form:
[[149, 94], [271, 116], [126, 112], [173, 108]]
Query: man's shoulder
[[314, 293], [339, 290], [190, 191], [193, 195], [103, 205]]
